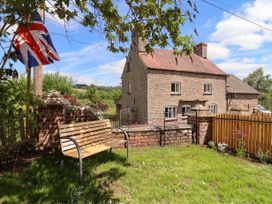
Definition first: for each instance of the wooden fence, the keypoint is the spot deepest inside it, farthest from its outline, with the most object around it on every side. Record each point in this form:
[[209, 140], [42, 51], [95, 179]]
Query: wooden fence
[[12, 127], [253, 132]]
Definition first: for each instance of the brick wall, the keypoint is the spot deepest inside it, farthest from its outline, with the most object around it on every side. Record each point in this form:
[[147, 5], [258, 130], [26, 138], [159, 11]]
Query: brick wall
[[204, 127], [51, 115], [151, 136]]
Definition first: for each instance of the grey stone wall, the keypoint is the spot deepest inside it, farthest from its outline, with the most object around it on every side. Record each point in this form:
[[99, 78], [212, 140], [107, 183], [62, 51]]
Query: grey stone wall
[[192, 88], [136, 100], [244, 101]]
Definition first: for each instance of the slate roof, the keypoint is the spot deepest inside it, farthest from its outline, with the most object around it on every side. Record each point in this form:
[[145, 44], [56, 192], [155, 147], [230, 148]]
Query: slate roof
[[166, 60], [236, 85]]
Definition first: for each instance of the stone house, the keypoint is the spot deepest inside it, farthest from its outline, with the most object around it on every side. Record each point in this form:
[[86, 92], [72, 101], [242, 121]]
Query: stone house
[[240, 96], [160, 85]]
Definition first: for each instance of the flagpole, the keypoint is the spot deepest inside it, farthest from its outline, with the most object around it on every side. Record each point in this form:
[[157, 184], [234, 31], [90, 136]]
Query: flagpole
[[28, 81], [38, 77]]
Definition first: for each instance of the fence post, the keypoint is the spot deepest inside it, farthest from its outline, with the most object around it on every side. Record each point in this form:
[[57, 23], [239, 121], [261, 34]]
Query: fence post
[[12, 132], [21, 124], [2, 130]]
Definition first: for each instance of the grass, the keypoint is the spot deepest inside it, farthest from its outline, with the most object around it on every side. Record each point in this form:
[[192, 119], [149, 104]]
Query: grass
[[151, 175]]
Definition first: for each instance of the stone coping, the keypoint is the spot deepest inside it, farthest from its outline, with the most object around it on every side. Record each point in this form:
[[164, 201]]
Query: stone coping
[[200, 115], [154, 128]]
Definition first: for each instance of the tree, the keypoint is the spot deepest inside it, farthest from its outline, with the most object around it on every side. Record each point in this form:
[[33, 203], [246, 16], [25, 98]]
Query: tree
[[262, 83], [57, 82], [158, 22], [92, 95]]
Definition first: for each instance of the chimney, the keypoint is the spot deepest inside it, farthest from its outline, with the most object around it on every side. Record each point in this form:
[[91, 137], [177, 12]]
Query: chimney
[[201, 50], [138, 43]]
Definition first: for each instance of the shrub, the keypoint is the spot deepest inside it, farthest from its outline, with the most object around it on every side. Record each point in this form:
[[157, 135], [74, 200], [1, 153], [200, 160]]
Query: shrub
[[240, 152], [241, 136], [264, 156], [211, 144], [101, 106], [222, 147]]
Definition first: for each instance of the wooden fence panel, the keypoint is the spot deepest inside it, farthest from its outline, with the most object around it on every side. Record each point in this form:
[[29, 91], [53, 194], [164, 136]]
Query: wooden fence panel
[[253, 132]]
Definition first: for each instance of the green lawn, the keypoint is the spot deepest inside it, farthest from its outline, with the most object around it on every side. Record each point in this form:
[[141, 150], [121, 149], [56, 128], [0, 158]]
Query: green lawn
[[151, 175]]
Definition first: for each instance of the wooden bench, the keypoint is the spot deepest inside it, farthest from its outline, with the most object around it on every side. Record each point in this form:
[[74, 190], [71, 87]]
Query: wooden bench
[[81, 140]]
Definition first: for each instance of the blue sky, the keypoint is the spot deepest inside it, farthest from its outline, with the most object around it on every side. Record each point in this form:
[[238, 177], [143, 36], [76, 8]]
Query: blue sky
[[236, 46]]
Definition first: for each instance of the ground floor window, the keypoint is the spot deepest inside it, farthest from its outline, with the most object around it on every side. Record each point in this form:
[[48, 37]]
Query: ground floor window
[[213, 108], [170, 112], [185, 109]]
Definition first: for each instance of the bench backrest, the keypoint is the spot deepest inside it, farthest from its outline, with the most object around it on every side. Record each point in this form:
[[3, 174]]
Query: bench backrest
[[86, 133]]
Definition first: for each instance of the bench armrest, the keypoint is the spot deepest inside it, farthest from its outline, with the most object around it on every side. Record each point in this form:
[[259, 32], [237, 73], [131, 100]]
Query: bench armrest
[[125, 133], [127, 140], [76, 144]]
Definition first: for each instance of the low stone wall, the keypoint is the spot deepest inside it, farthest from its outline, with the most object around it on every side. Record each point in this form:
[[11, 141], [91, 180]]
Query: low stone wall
[[155, 136]]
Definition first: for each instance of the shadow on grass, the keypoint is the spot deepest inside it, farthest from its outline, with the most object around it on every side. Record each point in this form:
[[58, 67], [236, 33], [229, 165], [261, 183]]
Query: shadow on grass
[[42, 181]]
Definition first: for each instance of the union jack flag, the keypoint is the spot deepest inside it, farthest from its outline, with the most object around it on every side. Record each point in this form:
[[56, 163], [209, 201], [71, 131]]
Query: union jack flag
[[33, 44]]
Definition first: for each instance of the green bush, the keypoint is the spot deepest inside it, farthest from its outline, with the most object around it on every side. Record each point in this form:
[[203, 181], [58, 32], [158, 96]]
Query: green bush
[[57, 82], [264, 156], [211, 144]]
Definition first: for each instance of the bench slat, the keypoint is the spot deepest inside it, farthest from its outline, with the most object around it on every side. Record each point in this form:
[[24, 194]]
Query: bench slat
[[94, 149], [69, 144], [63, 126], [92, 137], [89, 136], [77, 128], [83, 131], [66, 142]]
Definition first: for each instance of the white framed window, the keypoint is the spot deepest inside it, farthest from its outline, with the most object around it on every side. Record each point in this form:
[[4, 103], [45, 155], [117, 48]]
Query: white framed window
[[207, 88], [129, 87], [170, 112], [175, 88], [213, 108], [185, 109]]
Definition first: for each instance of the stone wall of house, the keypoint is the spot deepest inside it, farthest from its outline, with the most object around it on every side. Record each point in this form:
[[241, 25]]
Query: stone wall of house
[[134, 73], [242, 101], [192, 89], [153, 136]]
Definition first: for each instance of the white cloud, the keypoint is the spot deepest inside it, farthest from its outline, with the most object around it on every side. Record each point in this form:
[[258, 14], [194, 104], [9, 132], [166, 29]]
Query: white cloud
[[260, 10], [71, 25], [240, 66], [247, 36], [78, 59], [76, 78], [92, 64], [113, 67], [217, 51], [85, 51]]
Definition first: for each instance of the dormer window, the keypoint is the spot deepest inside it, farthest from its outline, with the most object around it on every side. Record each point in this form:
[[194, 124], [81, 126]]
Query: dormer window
[[207, 88], [175, 88]]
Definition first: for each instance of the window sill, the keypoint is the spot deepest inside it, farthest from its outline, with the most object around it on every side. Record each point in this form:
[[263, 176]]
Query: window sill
[[175, 93], [207, 93], [171, 119]]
